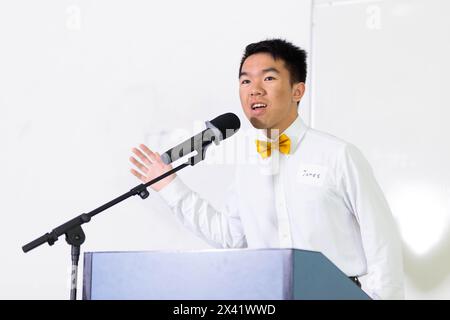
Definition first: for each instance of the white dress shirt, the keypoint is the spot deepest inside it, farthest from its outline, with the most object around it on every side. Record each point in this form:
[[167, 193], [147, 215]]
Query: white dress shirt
[[322, 196]]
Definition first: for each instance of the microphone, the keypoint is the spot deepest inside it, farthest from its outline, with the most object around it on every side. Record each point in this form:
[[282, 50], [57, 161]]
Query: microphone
[[218, 129]]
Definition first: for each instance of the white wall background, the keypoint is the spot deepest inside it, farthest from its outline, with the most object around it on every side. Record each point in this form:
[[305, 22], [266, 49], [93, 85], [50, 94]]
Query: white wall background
[[82, 82]]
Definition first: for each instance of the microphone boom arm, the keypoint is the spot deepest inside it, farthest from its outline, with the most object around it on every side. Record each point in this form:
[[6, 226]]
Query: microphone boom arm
[[74, 233]]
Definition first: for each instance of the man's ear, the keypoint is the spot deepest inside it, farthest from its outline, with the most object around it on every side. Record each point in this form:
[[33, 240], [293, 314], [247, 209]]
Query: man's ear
[[298, 90]]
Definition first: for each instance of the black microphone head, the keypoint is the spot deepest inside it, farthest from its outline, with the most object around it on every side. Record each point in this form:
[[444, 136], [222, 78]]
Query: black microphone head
[[227, 124]]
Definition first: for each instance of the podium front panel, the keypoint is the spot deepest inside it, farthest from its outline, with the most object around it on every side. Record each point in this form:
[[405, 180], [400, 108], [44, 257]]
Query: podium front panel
[[212, 274]]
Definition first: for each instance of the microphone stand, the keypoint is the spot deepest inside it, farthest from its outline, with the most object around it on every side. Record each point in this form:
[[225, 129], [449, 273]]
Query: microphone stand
[[75, 236]]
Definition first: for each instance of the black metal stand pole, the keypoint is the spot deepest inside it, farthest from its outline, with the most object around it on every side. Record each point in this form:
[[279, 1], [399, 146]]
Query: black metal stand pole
[[74, 273]]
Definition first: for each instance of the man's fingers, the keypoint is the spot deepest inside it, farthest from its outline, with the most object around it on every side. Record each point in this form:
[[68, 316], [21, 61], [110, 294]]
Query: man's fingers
[[142, 156], [138, 175], [148, 152], [139, 165]]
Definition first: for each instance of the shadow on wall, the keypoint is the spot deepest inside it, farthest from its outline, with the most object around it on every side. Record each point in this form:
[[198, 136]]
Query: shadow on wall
[[427, 271]]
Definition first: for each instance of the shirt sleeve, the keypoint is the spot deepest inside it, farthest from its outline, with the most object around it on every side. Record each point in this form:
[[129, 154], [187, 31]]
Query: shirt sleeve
[[380, 237], [221, 229]]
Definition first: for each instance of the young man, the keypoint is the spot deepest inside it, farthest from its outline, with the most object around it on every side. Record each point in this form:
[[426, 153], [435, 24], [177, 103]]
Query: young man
[[321, 197]]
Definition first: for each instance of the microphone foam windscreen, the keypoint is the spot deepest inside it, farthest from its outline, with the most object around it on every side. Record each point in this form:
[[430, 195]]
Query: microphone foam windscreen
[[226, 121]]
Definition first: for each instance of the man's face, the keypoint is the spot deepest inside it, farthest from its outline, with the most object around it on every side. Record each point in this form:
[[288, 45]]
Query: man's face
[[268, 98]]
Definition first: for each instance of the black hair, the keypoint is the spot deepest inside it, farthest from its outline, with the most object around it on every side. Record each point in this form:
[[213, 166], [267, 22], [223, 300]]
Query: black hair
[[294, 58]]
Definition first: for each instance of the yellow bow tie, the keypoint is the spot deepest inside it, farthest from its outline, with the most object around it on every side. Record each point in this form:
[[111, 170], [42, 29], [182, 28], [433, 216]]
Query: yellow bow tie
[[264, 148]]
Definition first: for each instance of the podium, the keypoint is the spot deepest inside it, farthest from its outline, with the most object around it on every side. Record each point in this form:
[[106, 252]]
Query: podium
[[224, 274]]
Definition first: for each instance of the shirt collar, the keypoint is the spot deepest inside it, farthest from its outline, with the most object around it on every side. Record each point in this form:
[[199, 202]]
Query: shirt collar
[[295, 132]]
